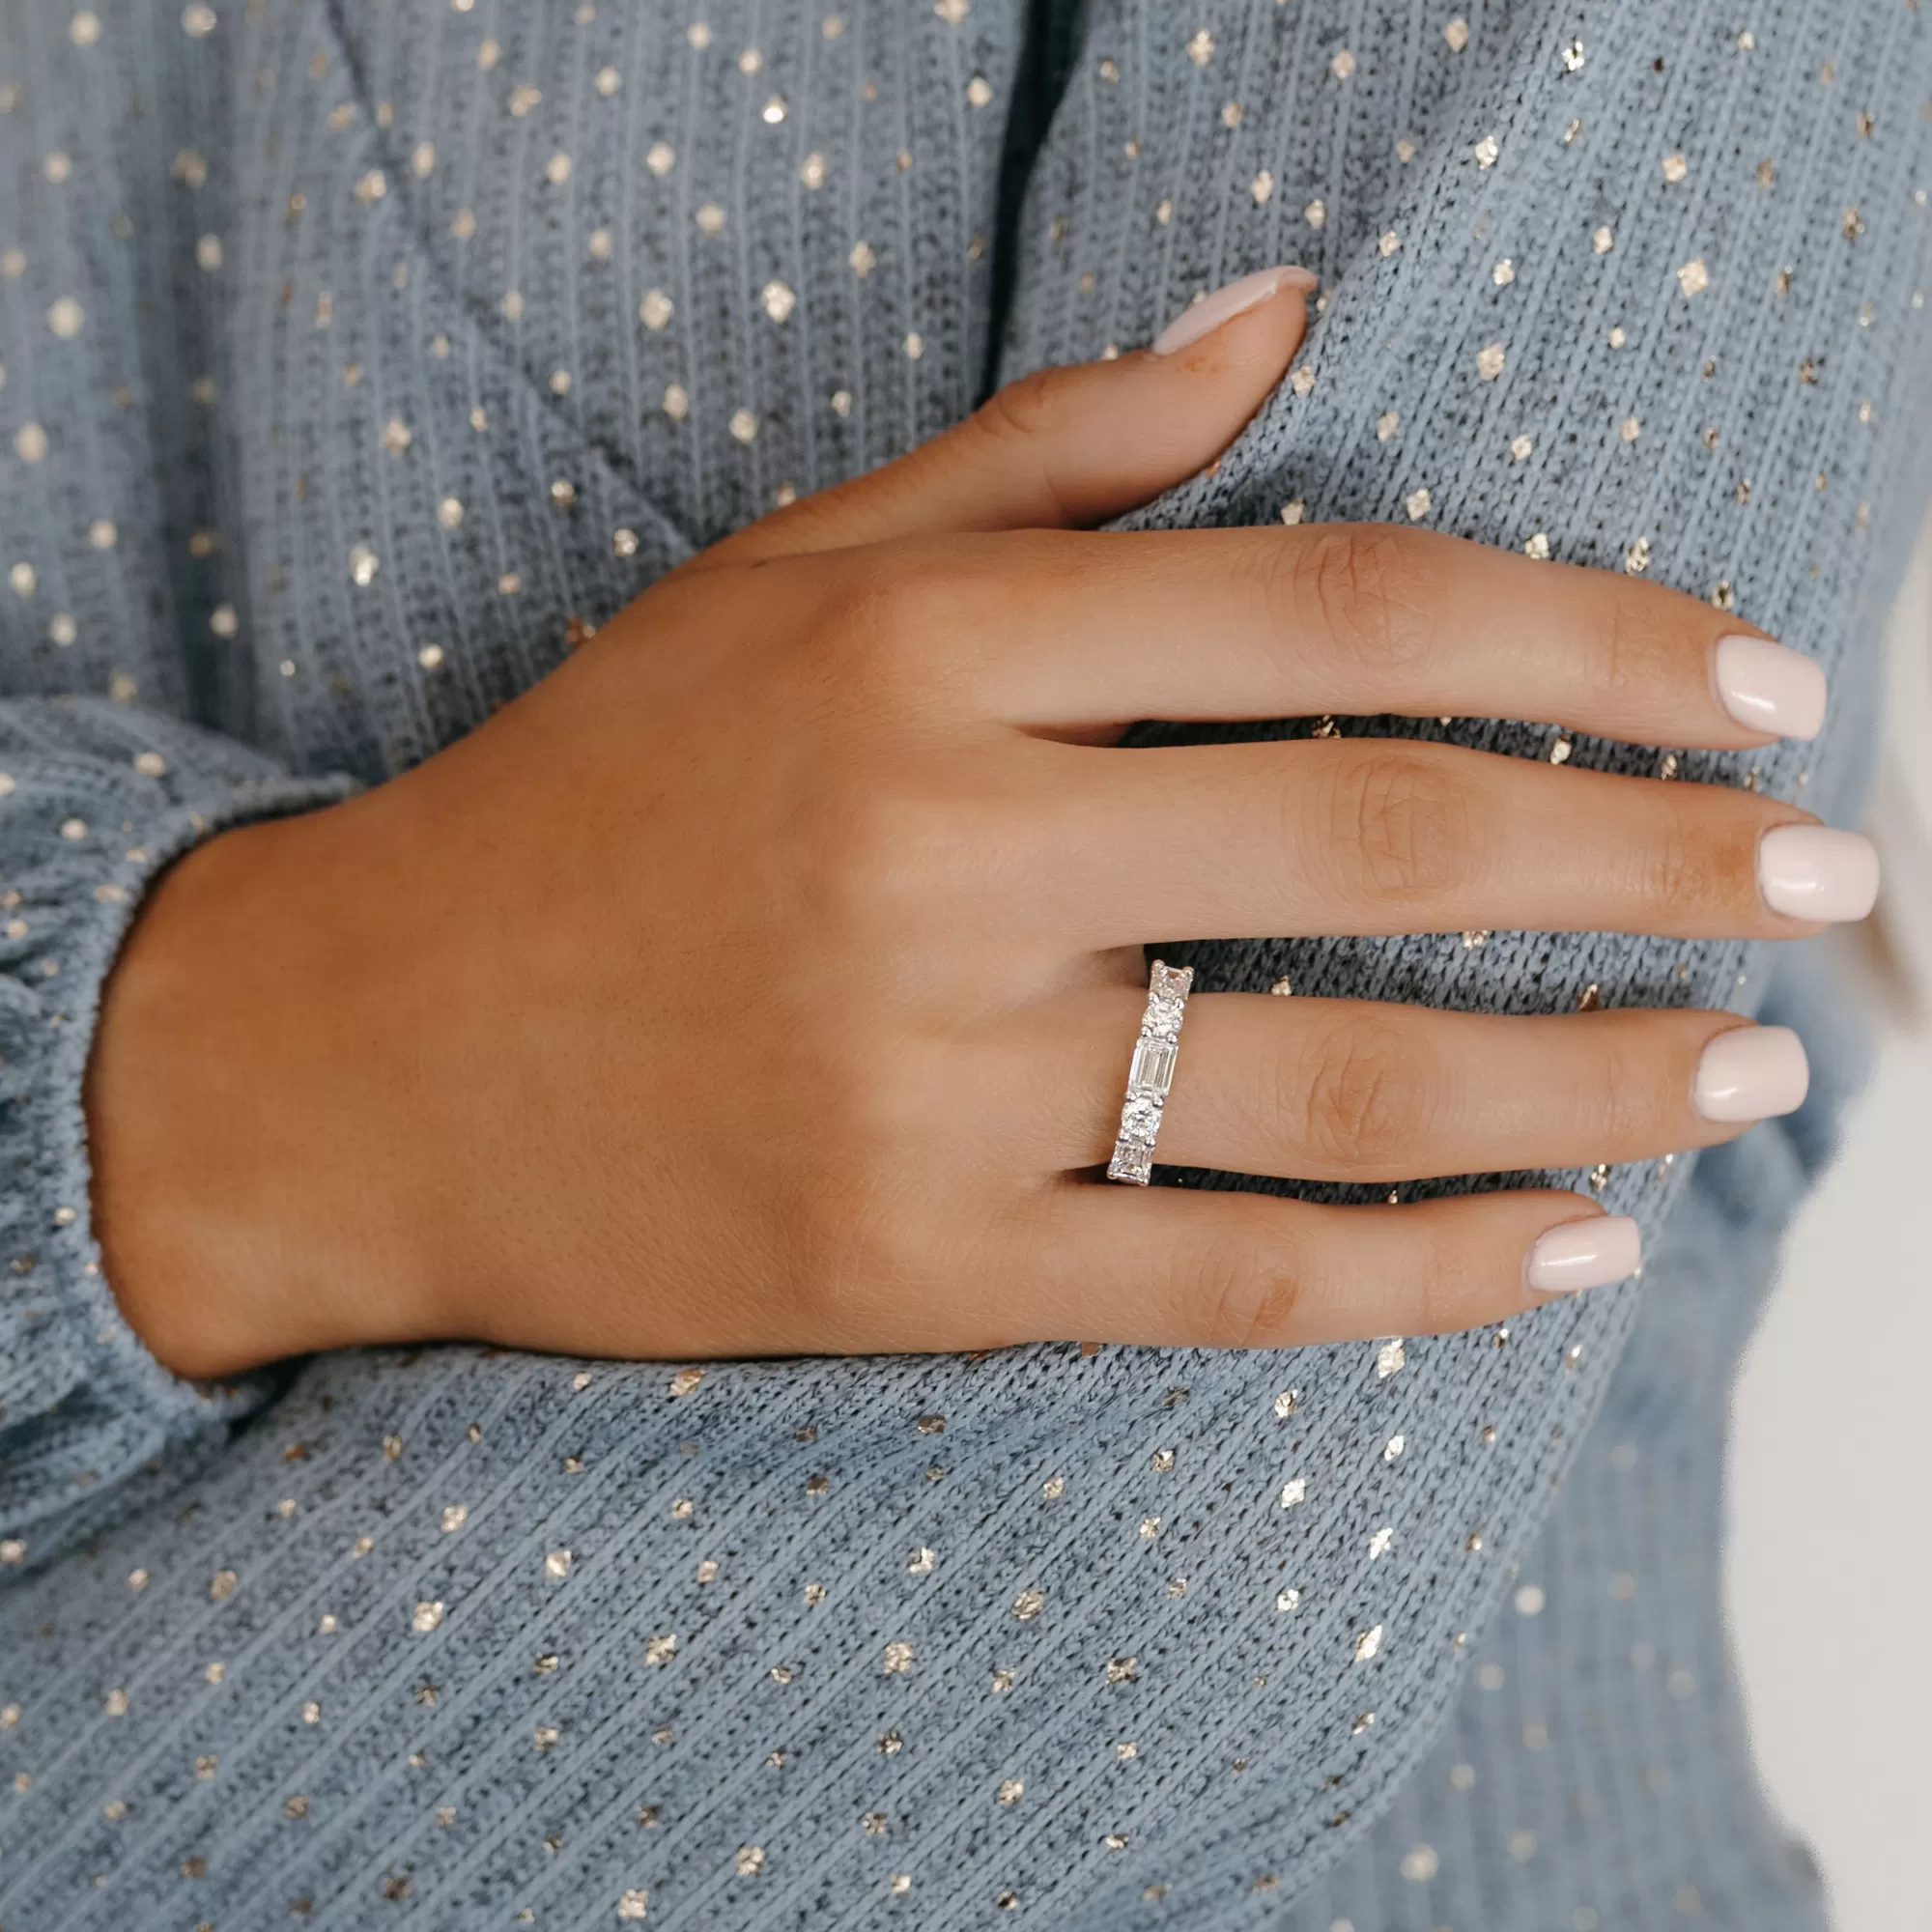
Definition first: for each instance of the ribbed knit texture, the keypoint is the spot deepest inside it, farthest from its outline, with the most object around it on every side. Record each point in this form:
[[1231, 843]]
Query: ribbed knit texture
[[357, 358]]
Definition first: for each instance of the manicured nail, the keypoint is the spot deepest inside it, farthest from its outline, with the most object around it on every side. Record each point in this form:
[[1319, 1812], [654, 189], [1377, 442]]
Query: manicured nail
[[1809, 871], [1583, 1254], [1767, 687], [1751, 1074], [1209, 313]]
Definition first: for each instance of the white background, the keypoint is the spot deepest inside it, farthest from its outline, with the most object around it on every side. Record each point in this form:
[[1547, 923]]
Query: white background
[[1830, 1567]]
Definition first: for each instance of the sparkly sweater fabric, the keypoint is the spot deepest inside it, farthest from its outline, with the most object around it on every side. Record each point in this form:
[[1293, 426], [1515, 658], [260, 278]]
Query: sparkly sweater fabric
[[357, 354]]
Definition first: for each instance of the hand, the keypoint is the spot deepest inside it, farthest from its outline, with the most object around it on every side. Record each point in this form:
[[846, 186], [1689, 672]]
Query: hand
[[765, 979]]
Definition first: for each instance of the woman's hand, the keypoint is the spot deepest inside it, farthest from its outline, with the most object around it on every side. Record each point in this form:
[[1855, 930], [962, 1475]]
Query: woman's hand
[[765, 979]]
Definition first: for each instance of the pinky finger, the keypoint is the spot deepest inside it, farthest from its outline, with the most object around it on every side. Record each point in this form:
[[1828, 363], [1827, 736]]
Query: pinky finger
[[1180, 1270]]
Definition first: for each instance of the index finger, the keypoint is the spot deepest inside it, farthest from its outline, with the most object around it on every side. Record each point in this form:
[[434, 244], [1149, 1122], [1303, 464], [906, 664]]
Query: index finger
[[1358, 619]]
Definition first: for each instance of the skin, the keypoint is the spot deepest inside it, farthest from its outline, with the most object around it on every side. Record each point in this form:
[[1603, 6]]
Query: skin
[[763, 981]]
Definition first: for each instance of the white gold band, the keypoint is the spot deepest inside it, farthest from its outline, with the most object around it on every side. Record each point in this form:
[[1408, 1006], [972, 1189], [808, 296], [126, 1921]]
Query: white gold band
[[1151, 1073]]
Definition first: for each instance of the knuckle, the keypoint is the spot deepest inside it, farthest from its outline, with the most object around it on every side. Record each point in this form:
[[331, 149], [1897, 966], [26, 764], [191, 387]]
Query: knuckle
[[1026, 410], [887, 842], [1407, 818], [1365, 1098], [1352, 583], [1249, 1282], [867, 648], [1631, 657], [1686, 871], [1024, 422], [1632, 1091]]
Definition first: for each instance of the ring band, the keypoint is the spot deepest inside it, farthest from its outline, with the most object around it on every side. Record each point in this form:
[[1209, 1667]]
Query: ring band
[[1151, 1073]]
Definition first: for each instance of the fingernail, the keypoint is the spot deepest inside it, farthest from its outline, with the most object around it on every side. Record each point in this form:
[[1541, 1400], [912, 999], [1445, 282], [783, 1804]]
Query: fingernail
[[1809, 871], [1751, 1074], [1583, 1254], [1201, 318], [1768, 686]]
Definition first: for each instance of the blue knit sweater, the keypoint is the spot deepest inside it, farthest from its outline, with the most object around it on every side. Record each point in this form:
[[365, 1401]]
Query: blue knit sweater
[[357, 357]]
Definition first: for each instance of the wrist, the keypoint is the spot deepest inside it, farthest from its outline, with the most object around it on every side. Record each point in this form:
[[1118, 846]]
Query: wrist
[[236, 1096]]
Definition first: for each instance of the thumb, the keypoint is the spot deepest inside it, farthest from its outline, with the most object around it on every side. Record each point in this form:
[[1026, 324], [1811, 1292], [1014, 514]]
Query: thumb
[[1070, 447]]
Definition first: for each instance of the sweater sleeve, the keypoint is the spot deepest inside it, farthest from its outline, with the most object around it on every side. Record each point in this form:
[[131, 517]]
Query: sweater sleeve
[[1644, 294], [118, 600], [96, 799]]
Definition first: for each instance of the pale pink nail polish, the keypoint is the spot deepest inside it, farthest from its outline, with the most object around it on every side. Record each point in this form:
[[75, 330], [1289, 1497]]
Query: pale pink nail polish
[[1809, 871], [1583, 1254], [1751, 1074], [1206, 315], [1767, 687]]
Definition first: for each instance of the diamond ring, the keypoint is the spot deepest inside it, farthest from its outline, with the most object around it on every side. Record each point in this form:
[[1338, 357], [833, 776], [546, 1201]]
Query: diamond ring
[[1151, 1073]]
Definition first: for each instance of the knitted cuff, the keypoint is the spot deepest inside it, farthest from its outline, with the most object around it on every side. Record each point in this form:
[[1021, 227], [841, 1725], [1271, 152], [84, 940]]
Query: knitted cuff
[[95, 802]]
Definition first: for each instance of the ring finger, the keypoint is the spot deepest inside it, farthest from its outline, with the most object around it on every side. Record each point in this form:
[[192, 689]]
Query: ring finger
[[1363, 1090]]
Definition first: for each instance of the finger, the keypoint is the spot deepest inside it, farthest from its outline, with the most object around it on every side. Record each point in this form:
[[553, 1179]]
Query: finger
[[1368, 1091], [1172, 1267], [1359, 619], [1386, 836], [1067, 446]]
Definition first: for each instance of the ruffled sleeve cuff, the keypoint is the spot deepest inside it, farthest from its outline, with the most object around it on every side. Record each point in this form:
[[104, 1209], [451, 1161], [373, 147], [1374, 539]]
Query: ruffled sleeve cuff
[[95, 800]]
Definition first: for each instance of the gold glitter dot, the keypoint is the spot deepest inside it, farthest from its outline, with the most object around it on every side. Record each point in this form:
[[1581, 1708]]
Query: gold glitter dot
[[1457, 34], [1503, 274], [1418, 503], [1675, 167], [1262, 187], [1693, 277], [1485, 151], [1489, 361], [1386, 425], [1200, 48], [1343, 65]]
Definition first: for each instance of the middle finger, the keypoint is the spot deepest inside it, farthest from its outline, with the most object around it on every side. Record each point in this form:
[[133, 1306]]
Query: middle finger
[[1363, 836]]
